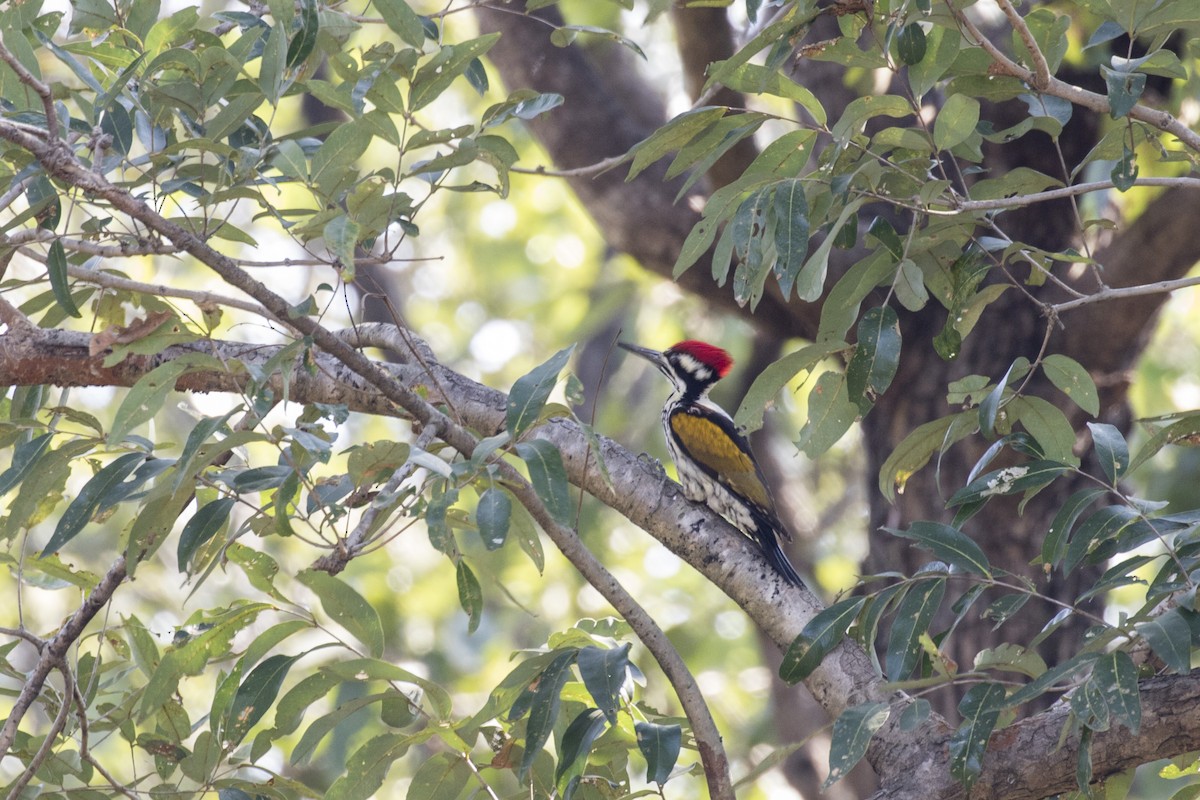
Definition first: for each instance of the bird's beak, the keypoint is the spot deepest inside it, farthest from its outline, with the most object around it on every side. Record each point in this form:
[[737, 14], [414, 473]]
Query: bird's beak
[[653, 356]]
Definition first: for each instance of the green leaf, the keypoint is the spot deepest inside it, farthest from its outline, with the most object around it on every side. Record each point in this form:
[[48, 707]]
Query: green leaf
[[820, 636], [1111, 450], [852, 732], [1115, 676], [367, 767], [948, 544], [94, 492], [530, 392], [436, 75], [672, 136], [1069, 376], [956, 121], [810, 282], [771, 380], [492, 516], [273, 64], [1124, 90], [543, 710], [470, 594], [980, 709], [913, 616], [341, 237], [577, 743], [915, 450], [148, 395], [548, 477], [1054, 546], [1170, 637], [203, 525], [255, 696], [1046, 423], [25, 456], [336, 157], [830, 414], [660, 746], [790, 210], [604, 673], [910, 44], [1010, 657], [347, 608], [990, 406], [862, 109], [359, 669], [1009, 480], [442, 775], [876, 358], [305, 40], [403, 21], [56, 264]]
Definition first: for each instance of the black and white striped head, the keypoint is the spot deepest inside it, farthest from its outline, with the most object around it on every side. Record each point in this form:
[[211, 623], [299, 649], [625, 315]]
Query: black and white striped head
[[692, 366]]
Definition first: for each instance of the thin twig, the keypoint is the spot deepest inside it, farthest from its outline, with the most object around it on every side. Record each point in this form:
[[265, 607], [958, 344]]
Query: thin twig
[[1022, 200], [60, 722], [1041, 69], [1161, 287]]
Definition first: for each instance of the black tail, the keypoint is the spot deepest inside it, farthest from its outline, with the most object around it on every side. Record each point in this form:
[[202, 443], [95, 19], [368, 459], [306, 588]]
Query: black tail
[[768, 533]]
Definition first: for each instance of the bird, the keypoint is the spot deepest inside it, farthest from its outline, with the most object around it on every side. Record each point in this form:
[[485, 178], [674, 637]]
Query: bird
[[713, 458]]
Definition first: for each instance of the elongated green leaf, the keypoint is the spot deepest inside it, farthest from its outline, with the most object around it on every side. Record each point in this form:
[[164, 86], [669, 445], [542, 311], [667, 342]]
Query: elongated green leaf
[[436, 75], [1069, 376], [255, 696], [358, 669], [810, 282], [548, 477], [604, 673], [306, 38], [492, 516], [368, 766], [1111, 449], [660, 745], [148, 395], [81, 509], [470, 594], [672, 136], [771, 380], [1115, 676], [346, 607], [948, 544], [543, 710], [530, 392], [338, 154], [441, 775], [1054, 546], [991, 405], [852, 732], [1170, 637], [203, 525], [577, 742], [402, 20], [1009, 480], [913, 616], [980, 709], [323, 725], [790, 210], [24, 458], [1046, 423], [915, 450], [822, 633], [876, 358], [830, 414], [56, 264]]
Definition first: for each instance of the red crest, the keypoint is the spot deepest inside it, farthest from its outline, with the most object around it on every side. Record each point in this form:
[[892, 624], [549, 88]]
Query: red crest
[[709, 355]]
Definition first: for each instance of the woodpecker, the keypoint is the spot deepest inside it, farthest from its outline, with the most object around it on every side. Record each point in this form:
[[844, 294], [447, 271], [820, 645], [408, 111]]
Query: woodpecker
[[714, 460]]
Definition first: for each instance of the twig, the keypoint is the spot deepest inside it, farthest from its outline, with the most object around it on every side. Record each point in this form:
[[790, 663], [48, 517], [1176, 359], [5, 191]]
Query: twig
[[350, 547], [1161, 287], [39, 87], [1021, 200], [1041, 69], [60, 721], [53, 652], [1074, 94]]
